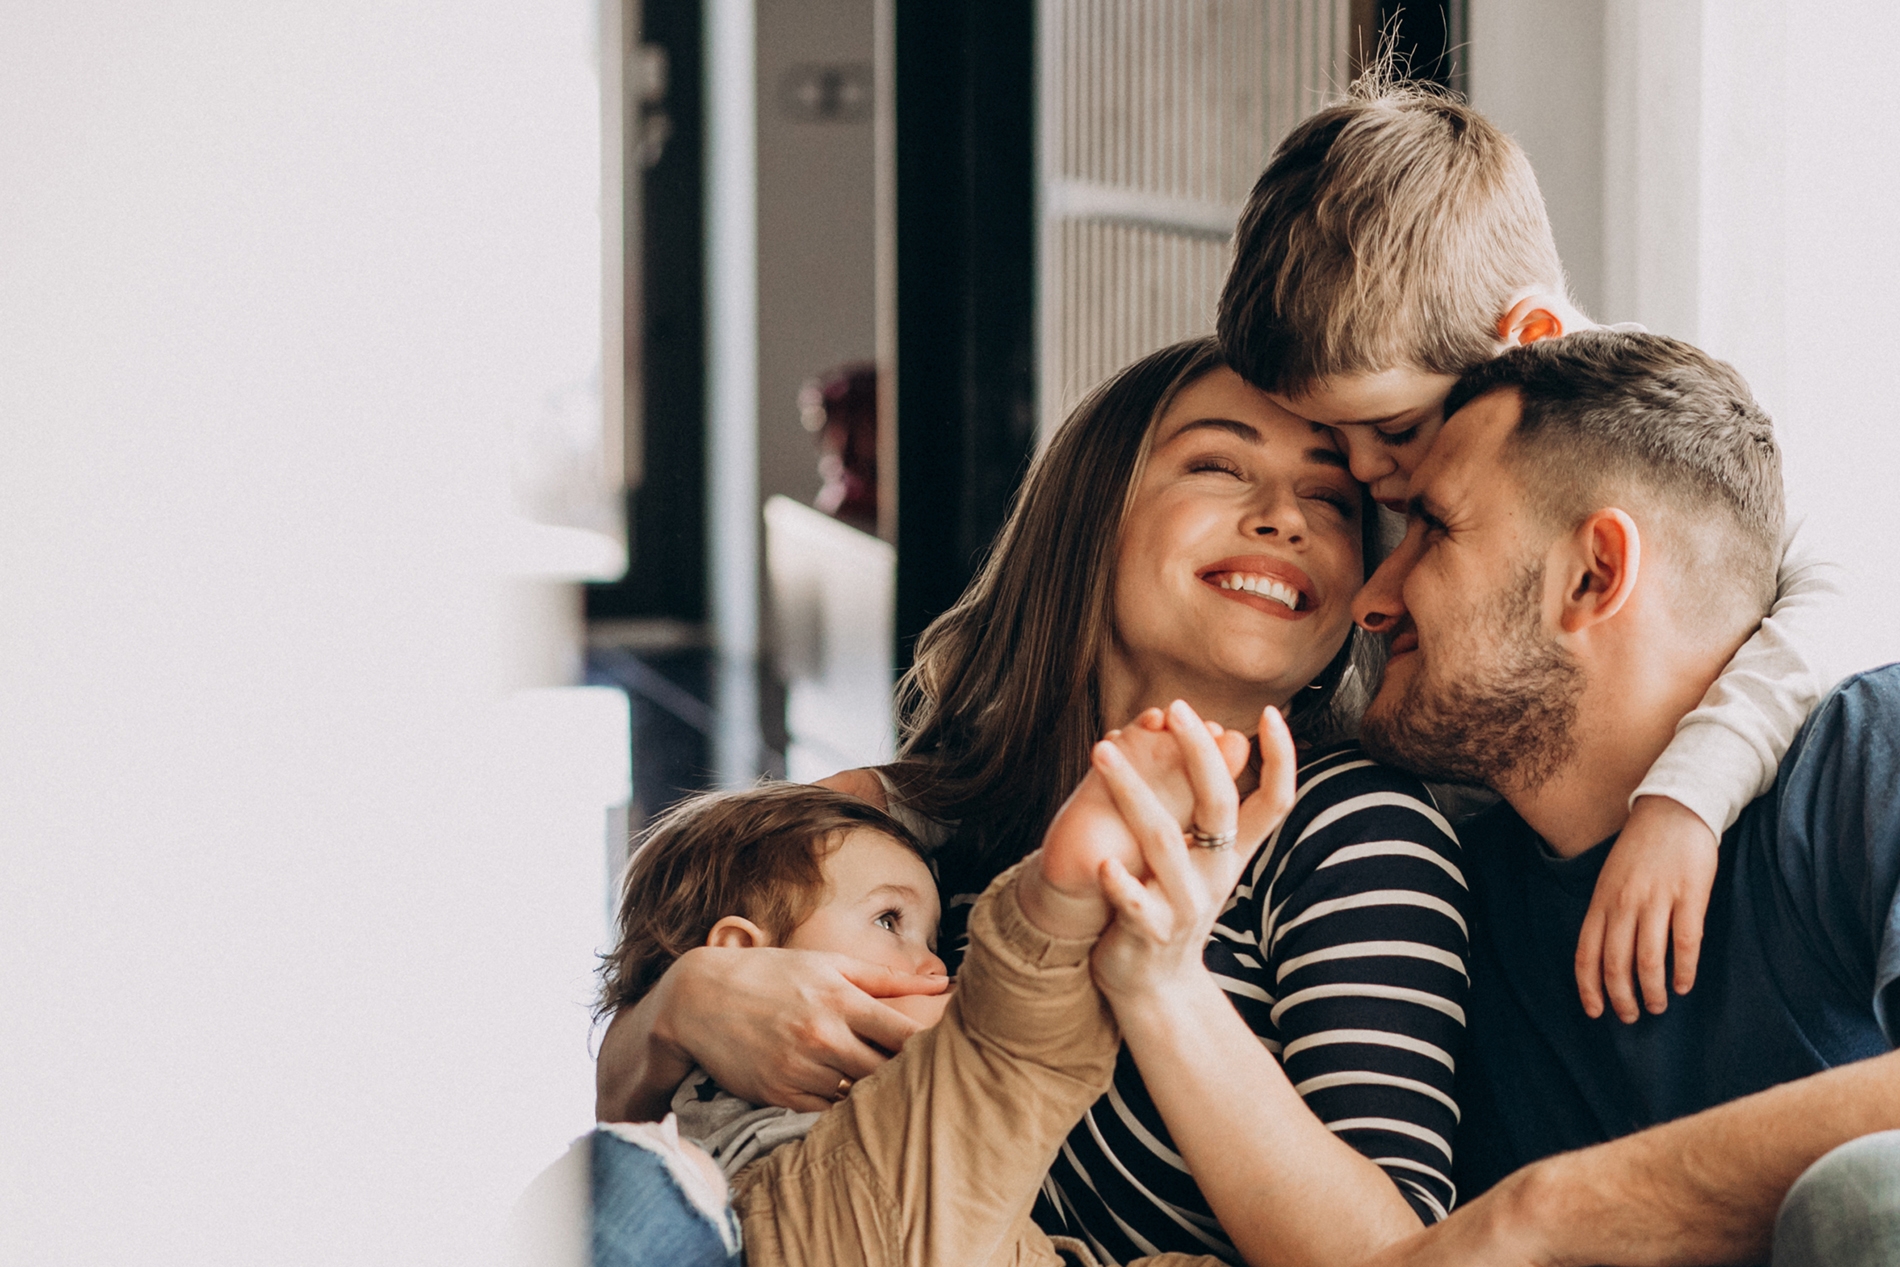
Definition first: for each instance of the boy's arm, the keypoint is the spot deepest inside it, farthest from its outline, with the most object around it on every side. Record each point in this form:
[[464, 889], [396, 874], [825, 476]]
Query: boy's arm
[[1655, 886], [938, 1157], [1726, 752], [1703, 1189]]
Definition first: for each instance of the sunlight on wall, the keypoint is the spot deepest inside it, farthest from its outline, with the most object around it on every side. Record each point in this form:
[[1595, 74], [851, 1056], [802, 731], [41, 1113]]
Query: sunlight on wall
[[295, 907], [1722, 172]]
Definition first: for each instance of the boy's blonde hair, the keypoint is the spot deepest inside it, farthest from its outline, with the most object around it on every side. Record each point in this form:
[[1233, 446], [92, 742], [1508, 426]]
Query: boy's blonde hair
[[1389, 231]]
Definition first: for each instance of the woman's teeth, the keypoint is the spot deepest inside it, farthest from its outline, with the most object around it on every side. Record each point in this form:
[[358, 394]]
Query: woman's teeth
[[1265, 586]]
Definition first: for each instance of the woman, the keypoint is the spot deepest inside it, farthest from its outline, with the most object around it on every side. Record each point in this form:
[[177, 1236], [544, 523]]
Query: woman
[[1181, 538]]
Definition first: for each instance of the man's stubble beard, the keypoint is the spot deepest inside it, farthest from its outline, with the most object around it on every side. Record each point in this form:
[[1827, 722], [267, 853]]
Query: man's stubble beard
[[1508, 724]]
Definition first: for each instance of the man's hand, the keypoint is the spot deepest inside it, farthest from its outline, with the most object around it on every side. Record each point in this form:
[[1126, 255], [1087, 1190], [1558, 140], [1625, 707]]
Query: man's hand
[[1654, 889]]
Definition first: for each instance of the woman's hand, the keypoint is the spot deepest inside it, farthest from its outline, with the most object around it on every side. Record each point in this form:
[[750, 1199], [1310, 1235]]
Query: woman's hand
[[1185, 780], [1062, 894], [771, 1026]]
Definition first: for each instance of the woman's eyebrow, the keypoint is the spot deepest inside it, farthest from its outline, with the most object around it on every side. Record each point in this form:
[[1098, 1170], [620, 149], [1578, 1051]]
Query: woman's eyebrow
[[1246, 431], [1328, 457], [1372, 422]]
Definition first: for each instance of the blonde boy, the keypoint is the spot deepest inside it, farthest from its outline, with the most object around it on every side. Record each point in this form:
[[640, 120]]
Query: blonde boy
[[1395, 241]]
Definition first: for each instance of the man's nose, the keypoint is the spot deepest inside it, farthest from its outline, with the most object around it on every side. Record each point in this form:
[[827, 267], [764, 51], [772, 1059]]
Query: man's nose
[[1381, 600]]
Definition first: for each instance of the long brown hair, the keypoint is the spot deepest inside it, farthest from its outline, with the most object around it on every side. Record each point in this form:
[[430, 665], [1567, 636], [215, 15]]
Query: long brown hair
[[1002, 703]]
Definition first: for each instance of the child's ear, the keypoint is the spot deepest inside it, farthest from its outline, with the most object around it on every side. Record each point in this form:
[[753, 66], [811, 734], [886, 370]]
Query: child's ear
[[1533, 318], [736, 931]]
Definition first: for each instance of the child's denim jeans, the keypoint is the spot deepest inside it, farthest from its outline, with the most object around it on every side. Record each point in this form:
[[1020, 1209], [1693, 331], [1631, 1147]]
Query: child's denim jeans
[[651, 1209]]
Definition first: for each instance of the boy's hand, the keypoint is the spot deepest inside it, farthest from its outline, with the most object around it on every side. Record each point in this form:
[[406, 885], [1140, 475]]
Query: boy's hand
[[1655, 882]]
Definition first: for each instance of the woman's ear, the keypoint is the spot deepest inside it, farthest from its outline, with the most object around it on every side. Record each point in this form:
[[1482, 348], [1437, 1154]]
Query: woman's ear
[[1603, 559], [736, 931]]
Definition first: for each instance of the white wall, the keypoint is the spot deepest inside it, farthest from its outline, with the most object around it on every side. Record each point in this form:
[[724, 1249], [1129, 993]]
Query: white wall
[[1536, 68], [1840, 400], [1747, 160], [294, 912]]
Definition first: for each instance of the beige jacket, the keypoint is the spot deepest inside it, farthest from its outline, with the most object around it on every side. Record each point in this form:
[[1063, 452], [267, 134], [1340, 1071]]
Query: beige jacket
[[937, 1157]]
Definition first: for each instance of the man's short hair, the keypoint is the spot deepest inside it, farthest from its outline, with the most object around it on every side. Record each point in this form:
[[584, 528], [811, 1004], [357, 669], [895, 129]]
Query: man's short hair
[[1389, 231], [1663, 430]]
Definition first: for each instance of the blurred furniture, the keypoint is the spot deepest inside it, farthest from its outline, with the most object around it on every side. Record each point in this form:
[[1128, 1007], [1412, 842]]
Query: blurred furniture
[[831, 595]]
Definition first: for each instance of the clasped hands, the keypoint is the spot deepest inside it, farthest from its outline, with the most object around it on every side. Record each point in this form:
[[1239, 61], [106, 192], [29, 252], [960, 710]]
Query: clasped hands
[[1118, 849]]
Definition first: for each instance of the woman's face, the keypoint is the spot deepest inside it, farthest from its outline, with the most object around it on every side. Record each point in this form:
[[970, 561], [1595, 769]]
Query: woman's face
[[1240, 555]]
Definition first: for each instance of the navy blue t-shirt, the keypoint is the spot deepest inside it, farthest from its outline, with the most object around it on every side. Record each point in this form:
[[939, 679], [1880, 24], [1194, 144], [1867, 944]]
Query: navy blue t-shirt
[[1799, 958]]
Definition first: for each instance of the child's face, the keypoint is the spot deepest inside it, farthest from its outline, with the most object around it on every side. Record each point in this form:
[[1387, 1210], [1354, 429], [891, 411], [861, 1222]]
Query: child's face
[[880, 905], [1386, 423]]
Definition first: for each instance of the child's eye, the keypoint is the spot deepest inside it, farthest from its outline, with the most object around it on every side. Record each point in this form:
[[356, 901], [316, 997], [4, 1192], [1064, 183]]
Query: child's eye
[[1396, 439], [889, 921]]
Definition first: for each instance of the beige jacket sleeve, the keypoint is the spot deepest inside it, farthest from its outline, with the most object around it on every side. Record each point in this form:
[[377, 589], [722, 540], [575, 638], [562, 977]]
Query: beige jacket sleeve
[[937, 1157]]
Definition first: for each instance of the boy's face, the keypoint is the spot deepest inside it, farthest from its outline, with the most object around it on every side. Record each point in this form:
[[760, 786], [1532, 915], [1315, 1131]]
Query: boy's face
[[880, 905], [1386, 422]]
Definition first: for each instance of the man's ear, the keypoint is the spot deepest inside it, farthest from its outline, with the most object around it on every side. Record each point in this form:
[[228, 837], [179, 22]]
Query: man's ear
[[1600, 564], [737, 931], [1540, 315]]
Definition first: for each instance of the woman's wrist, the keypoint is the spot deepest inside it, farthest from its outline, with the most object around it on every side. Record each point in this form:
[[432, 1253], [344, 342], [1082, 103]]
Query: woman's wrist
[[1163, 1003], [663, 1034], [642, 1058]]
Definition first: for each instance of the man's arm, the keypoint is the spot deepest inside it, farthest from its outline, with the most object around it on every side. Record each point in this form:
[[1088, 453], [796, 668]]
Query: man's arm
[[1703, 1189]]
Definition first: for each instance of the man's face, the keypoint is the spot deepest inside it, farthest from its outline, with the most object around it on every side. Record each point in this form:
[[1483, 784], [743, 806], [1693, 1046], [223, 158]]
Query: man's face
[[1477, 689]]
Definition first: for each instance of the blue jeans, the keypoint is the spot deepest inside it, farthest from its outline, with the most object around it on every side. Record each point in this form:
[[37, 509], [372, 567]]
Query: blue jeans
[[1844, 1211], [643, 1216]]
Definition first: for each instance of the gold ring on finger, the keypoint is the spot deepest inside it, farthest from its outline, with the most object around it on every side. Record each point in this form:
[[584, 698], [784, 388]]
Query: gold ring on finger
[[844, 1089]]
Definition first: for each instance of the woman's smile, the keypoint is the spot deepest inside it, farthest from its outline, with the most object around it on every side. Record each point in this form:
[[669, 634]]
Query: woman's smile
[[1268, 584], [1240, 551]]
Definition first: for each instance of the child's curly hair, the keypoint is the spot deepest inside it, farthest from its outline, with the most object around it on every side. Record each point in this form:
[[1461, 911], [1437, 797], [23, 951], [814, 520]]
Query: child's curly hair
[[757, 854]]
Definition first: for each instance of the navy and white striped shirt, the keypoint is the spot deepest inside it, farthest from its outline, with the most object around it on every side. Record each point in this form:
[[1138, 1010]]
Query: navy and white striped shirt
[[1344, 948]]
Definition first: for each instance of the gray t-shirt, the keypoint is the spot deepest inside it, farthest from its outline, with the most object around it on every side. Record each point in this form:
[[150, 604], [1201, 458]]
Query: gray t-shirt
[[736, 1132]]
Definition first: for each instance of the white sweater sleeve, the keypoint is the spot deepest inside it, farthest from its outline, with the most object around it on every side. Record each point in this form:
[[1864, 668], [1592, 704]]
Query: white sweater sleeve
[[1726, 752]]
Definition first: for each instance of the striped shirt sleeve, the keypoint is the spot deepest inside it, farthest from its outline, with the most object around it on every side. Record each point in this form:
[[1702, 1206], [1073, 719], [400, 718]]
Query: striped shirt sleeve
[[1358, 908]]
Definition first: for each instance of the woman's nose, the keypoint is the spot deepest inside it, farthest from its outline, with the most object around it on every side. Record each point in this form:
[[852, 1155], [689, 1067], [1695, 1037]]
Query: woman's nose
[[1281, 518]]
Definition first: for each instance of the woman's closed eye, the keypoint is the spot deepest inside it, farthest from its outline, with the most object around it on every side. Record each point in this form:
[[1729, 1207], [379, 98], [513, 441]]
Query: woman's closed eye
[[1217, 465], [1347, 504]]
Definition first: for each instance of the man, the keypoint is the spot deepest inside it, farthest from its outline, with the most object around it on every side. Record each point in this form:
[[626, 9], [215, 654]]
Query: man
[[1592, 536]]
